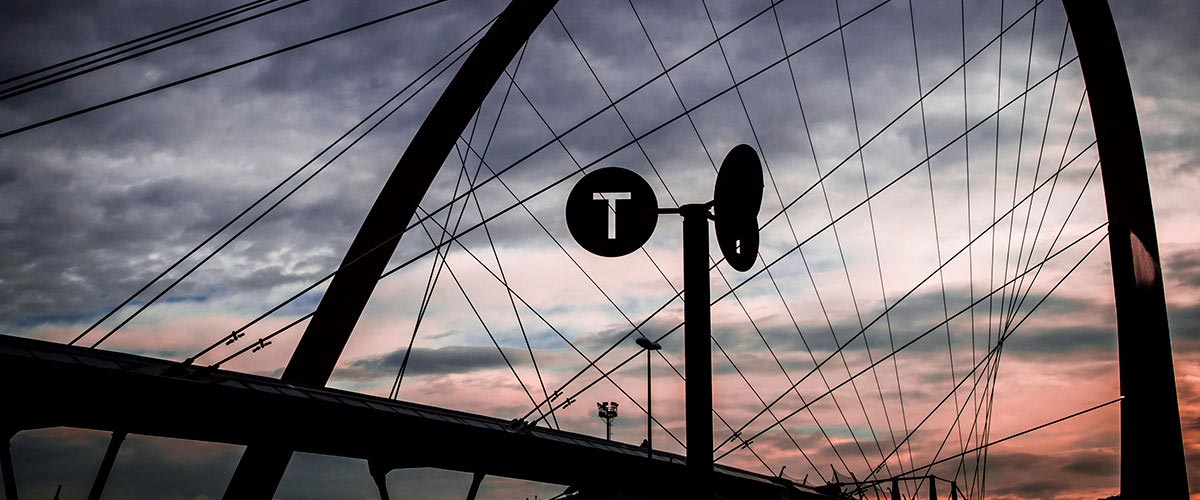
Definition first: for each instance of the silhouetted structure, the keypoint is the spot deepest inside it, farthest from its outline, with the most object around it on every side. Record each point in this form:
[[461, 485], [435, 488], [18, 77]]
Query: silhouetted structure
[[94, 389]]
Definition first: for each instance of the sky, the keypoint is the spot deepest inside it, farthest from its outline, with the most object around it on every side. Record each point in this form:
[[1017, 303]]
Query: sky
[[96, 206]]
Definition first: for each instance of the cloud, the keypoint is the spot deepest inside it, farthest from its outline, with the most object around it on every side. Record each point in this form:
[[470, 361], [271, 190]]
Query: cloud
[[440, 361]]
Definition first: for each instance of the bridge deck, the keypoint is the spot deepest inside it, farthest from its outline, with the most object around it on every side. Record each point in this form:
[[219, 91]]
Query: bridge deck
[[53, 385]]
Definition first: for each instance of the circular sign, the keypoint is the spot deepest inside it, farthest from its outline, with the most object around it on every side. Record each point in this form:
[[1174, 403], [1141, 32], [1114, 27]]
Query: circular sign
[[736, 200], [611, 212]]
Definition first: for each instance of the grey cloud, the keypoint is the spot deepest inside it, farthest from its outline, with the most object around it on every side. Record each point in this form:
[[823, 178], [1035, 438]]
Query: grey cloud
[[439, 361]]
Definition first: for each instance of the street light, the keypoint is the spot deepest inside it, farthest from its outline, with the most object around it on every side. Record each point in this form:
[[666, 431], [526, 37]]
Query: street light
[[607, 411], [649, 345]]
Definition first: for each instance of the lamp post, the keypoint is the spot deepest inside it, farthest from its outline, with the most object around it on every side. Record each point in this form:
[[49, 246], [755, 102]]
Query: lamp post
[[649, 345]]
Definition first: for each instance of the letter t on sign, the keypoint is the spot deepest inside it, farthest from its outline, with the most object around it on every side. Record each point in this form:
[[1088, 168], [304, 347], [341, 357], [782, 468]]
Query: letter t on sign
[[612, 209]]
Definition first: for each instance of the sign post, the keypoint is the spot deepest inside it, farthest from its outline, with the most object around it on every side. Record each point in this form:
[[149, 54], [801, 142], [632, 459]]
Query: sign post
[[612, 212]]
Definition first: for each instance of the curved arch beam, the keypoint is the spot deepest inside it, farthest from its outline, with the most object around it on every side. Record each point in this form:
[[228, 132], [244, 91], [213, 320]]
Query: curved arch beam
[[1152, 456], [261, 468]]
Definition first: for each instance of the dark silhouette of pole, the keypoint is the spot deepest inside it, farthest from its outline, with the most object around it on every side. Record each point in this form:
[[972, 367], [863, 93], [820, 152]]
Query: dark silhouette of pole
[[106, 465], [649, 346], [697, 350], [6, 466], [1152, 456], [476, 479], [261, 468], [379, 476], [649, 410]]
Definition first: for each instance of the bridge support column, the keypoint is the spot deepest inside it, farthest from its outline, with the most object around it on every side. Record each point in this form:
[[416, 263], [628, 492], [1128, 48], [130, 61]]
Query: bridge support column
[[379, 475], [106, 465], [475, 481], [6, 465]]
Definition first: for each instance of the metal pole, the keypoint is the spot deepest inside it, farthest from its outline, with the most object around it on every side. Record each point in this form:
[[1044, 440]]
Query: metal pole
[[649, 412], [1152, 454], [6, 465], [697, 350], [106, 465]]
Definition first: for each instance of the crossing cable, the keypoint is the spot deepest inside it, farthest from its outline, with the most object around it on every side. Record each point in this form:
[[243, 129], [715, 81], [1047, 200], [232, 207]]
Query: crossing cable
[[1019, 434], [1002, 322], [933, 210], [1049, 197], [988, 368], [738, 434], [788, 377], [1017, 175], [893, 182], [992, 358], [871, 220], [970, 251], [592, 363], [923, 335], [534, 152], [485, 327], [620, 115], [792, 229], [663, 181], [700, 139], [492, 243], [1047, 208], [1013, 303], [1037, 170], [568, 254], [649, 161], [447, 232], [545, 321], [184, 26], [236, 333], [990, 228], [211, 72], [90, 66], [838, 243], [436, 270], [402, 265], [671, 81], [814, 235], [377, 110], [496, 174]]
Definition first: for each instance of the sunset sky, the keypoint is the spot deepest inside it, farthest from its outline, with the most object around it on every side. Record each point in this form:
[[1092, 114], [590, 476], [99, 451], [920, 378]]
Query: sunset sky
[[94, 207]]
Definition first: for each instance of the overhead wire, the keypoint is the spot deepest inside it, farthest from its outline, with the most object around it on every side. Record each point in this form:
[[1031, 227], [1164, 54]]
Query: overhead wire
[[211, 72], [101, 63], [168, 31]]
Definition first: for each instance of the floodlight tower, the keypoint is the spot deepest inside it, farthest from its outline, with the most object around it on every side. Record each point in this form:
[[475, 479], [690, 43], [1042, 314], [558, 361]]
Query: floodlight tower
[[607, 411]]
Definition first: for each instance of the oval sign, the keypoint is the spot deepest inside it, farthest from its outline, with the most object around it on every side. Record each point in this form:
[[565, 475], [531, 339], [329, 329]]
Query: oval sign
[[612, 212], [736, 200]]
